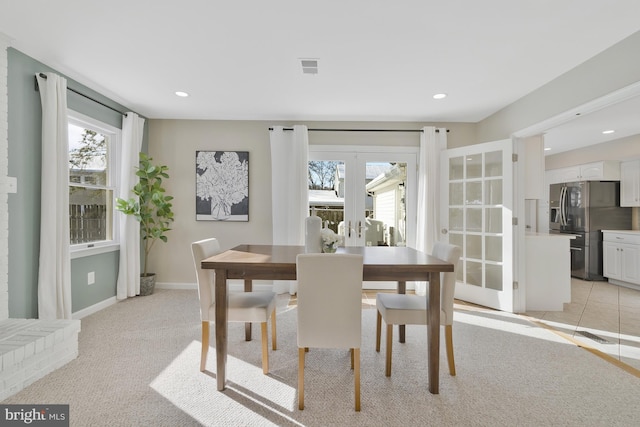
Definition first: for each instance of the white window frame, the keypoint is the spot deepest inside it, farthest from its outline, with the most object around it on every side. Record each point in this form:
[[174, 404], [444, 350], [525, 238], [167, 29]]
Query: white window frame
[[115, 137]]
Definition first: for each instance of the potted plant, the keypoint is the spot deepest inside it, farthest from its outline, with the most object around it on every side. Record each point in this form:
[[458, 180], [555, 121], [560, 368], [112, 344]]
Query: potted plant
[[152, 209]]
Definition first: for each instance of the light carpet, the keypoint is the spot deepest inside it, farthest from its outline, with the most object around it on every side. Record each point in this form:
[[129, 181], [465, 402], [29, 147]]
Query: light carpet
[[139, 366]]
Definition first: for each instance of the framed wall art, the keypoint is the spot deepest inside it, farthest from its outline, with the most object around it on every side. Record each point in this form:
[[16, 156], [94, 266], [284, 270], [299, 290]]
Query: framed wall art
[[222, 185]]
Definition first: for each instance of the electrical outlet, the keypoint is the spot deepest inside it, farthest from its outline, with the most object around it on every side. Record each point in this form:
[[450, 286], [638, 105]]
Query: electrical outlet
[[91, 278]]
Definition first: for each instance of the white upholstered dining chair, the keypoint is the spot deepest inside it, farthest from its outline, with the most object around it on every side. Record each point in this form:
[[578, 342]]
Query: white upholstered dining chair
[[402, 309], [329, 309], [255, 306]]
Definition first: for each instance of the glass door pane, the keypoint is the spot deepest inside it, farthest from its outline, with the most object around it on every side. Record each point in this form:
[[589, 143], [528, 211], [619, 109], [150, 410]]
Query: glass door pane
[[475, 217], [326, 192], [385, 211]]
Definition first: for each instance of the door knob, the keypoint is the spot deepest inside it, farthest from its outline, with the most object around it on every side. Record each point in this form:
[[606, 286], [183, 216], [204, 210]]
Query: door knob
[[444, 231]]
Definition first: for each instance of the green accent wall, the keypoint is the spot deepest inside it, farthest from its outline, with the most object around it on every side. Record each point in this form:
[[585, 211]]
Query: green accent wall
[[105, 267], [25, 161]]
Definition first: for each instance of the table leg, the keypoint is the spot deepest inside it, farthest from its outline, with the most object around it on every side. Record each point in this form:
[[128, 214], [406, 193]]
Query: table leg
[[248, 287], [433, 332], [402, 289], [221, 326]]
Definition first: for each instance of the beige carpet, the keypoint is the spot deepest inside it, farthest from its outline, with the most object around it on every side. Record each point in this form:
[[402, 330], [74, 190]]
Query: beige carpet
[[139, 359]]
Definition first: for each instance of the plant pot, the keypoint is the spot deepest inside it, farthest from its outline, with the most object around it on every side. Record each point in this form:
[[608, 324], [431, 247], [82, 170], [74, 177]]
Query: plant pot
[[147, 284]]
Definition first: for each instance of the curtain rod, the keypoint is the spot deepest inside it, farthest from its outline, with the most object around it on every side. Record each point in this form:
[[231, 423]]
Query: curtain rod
[[362, 130], [44, 76]]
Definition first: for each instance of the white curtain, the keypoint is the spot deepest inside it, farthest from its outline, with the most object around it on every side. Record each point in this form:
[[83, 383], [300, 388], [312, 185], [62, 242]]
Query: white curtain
[[54, 273], [129, 270], [432, 142], [289, 190]]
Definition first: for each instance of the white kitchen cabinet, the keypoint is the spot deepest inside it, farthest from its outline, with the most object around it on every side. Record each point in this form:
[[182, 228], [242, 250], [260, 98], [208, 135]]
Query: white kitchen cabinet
[[605, 170], [621, 257], [630, 183], [555, 176]]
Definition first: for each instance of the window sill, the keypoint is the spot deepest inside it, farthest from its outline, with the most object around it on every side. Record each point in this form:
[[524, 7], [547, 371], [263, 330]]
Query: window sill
[[81, 252]]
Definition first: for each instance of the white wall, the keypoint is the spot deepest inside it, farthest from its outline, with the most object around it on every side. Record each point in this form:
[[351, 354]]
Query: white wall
[[4, 207], [174, 143], [611, 70]]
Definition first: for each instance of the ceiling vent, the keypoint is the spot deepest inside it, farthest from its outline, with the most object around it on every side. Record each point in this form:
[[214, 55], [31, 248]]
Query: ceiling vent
[[309, 66]]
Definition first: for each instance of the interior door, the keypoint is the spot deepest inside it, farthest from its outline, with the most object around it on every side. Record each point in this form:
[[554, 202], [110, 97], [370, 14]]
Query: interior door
[[476, 214], [371, 198]]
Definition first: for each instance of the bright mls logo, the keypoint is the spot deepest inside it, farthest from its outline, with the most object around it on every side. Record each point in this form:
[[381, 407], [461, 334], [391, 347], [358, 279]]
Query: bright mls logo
[[37, 415]]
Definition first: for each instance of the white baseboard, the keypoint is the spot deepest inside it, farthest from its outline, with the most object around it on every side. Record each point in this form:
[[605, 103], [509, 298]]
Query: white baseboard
[[94, 308], [267, 285], [234, 285], [177, 286], [624, 284]]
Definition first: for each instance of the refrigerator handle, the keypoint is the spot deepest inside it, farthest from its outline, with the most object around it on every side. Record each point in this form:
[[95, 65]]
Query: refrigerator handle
[[563, 192], [565, 205]]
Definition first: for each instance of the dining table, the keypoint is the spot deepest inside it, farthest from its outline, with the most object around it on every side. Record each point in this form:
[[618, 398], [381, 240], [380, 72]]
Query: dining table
[[278, 262]]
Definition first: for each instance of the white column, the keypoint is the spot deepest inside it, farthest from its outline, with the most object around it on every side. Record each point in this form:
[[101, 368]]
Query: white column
[[7, 185]]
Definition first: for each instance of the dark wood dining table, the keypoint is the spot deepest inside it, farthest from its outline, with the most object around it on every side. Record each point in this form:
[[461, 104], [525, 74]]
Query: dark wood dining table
[[380, 263]]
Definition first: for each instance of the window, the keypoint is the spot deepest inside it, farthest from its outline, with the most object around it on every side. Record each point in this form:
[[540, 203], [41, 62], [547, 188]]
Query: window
[[93, 149]]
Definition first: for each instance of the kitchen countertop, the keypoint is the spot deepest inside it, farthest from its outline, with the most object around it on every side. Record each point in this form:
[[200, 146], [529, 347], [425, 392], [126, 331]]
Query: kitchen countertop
[[635, 232], [554, 235]]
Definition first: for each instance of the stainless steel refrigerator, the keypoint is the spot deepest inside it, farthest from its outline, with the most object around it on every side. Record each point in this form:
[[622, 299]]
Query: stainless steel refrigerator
[[586, 208]]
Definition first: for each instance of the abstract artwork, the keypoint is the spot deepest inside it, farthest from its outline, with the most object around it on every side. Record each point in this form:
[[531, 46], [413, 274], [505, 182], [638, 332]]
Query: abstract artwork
[[222, 185]]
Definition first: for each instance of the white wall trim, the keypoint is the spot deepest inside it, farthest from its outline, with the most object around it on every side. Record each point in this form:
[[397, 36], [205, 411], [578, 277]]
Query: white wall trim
[[614, 97], [94, 308], [177, 286], [234, 285], [7, 184]]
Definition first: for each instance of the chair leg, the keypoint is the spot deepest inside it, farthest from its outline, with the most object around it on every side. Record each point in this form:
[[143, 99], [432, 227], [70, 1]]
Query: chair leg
[[356, 375], [387, 371], [265, 348], [448, 334], [273, 331], [352, 356], [205, 345], [301, 352], [378, 327]]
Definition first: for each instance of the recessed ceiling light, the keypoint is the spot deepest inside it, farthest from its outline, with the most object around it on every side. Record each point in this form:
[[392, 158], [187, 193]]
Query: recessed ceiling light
[[439, 96], [182, 94], [606, 132]]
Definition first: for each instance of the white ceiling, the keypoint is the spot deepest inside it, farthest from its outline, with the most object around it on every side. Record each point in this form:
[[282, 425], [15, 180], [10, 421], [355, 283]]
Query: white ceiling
[[378, 60], [622, 117]]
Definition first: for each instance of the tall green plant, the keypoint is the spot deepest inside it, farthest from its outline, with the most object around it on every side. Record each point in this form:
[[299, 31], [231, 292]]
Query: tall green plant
[[153, 207]]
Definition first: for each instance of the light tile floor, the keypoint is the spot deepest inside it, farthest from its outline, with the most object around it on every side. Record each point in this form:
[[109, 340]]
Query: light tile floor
[[608, 311]]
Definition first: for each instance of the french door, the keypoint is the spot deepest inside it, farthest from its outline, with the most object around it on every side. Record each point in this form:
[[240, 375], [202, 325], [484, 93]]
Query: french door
[[368, 197], [476, 214]]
